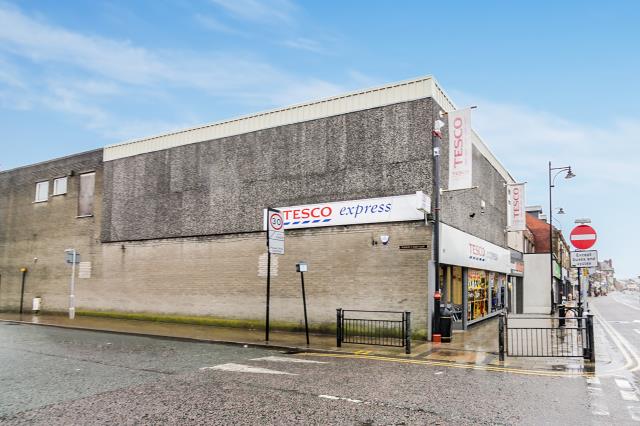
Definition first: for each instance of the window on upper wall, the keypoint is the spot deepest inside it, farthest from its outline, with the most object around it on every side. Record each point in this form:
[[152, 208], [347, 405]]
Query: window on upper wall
[[85, 195], [42, 191], [60, 186]]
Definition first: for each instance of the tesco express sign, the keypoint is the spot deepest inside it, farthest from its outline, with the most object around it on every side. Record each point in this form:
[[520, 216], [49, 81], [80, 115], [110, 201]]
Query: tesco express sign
[[371, 210]]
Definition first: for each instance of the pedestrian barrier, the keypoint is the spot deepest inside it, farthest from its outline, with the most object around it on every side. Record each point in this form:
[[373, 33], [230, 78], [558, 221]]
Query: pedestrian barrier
[[381, 328], [546, 336]]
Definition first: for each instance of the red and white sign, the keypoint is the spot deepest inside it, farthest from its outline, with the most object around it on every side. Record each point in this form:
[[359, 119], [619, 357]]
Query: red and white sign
[[460, 149], [583, 237], [517, 219], [275, 231]]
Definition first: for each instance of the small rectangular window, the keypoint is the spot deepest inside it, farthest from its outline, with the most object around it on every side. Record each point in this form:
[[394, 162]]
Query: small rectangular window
[[42, 191], [85, 195], [60, 186]]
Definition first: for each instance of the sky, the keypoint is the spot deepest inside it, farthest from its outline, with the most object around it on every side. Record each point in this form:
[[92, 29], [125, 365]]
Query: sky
[[553, 81]]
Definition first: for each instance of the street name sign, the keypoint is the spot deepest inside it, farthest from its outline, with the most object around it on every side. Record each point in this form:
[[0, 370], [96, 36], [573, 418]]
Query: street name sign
[[584, 259], [583, 237], [275, 228]]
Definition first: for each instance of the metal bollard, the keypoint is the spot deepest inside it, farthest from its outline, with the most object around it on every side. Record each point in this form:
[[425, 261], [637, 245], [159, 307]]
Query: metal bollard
[[339, 327], [592, 349], [501, 337], [407, 333]]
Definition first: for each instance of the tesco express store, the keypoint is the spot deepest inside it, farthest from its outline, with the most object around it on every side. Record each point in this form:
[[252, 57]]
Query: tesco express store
[[473, 273]]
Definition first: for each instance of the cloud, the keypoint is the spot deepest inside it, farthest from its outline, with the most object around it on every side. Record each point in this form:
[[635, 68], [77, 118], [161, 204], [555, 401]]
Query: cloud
[[273, 12], [527, 139], [302, 43], [211, 23], [90, 70]]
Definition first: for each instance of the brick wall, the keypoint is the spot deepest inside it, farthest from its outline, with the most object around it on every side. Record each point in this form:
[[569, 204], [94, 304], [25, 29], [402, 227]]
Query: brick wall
[[35, 235], [218, 276]]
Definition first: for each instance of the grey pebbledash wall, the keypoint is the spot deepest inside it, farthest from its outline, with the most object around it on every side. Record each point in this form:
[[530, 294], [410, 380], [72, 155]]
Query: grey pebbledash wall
[[221, 186]]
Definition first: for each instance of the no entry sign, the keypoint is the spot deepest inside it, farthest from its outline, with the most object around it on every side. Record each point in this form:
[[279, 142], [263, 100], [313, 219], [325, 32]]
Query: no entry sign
[[583, 237]]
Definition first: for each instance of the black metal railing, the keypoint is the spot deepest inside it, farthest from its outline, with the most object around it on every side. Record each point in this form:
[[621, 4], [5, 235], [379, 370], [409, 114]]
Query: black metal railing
[[544, 336], [381, 328]]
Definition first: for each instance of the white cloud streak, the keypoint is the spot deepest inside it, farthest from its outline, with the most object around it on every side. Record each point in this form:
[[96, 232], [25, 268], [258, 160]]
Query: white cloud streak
[[272, 12], [110, 68]]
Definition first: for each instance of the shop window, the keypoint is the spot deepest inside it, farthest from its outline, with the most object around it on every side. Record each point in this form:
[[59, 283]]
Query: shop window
[[86, 193], [42, 191], [60, 186], [478, 295], [456, 285]]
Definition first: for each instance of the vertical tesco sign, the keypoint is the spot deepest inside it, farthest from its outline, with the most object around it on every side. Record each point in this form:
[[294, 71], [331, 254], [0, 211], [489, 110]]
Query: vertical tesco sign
[[517, 219], [460, 149]]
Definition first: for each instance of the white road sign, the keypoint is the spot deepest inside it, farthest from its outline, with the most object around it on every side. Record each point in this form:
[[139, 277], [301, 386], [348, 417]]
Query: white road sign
[[275, 228], [584, 258]]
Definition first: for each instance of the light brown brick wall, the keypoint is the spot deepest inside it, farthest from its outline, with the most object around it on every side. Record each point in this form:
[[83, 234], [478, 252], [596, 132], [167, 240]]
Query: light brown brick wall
[[219, 275]]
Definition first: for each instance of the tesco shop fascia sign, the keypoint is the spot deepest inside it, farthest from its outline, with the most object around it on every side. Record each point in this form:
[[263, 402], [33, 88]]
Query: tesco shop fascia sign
[[396, 208]]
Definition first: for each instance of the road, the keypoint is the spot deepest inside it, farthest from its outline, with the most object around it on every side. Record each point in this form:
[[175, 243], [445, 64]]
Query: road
[[613, 393], [57, 376]]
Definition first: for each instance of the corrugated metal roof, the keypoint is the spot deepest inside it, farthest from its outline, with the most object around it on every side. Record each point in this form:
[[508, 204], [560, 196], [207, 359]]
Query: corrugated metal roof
[[404, 91]]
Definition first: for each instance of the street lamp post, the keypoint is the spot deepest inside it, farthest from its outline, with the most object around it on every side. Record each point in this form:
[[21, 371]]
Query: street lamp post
[[569, 175], [436, 136]]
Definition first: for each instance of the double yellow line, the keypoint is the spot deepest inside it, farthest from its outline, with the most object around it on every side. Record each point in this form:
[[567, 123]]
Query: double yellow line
[[497, 369]]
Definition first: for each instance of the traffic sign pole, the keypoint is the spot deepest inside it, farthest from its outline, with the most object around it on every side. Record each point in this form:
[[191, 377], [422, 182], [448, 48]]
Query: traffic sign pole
[[275, 231]]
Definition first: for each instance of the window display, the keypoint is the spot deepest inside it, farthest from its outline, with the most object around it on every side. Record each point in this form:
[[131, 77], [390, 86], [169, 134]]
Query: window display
[[478, 294]]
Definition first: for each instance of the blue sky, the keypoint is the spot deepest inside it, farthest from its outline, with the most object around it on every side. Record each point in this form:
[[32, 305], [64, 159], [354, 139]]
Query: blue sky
[[553, 81]]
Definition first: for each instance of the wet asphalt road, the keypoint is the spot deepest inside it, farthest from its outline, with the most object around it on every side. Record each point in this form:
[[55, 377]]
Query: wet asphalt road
[[56, 376], [614, 397]]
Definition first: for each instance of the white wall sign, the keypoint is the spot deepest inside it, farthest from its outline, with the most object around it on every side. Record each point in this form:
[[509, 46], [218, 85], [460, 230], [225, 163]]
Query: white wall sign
[[275, 228], [462, 249], [460, 149], [372, 210], [84, 270], [584, 258], [517, 220]]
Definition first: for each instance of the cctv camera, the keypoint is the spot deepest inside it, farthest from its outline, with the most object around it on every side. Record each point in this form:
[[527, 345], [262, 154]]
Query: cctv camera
[[384, 239]]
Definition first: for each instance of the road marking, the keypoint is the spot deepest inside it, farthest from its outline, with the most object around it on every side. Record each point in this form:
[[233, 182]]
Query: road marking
[[629, 395], [627, 350], [599, 409], [625, 303], [337, 398], [635, 413], [636, 330], [453, 365], [593, 380], [623, 384], [286, 359], [240, 368], [619, 322], [362, 352]]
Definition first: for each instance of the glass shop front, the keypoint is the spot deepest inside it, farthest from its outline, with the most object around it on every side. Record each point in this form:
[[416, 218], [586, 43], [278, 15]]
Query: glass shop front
[[473, 277]]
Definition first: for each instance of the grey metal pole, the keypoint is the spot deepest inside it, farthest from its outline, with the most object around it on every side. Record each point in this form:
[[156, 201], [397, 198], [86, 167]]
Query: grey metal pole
[[501, 337], [436, 231], [72, 288], [304, 303], [266, 335], [24, 274]]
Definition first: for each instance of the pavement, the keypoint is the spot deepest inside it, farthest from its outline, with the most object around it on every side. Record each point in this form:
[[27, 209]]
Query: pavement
[[55, 375], [475, 348], [58, 376]]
